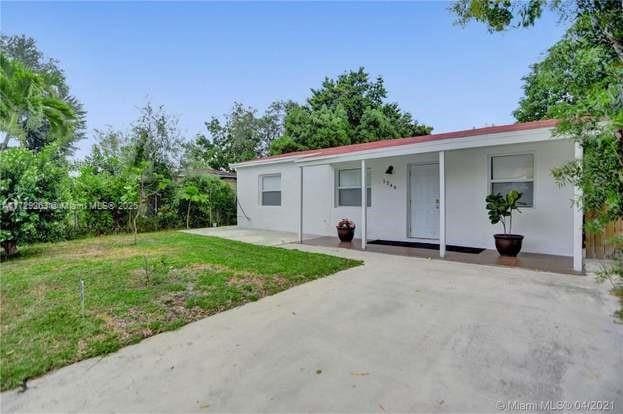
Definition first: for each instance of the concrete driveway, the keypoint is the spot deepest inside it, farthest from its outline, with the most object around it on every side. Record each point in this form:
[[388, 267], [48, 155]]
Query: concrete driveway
[[395, 335]]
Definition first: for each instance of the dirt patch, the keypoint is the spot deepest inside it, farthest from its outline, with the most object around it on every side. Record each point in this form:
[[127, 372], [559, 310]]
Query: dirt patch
[[176, 308], [121, 252], [263, 285]]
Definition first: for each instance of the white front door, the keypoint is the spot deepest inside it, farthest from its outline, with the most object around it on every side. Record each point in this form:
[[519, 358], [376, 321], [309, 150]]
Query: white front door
[[424, 201]]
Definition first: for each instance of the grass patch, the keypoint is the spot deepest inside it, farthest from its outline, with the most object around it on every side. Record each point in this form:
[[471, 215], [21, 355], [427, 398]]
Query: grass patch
[[132, 291]]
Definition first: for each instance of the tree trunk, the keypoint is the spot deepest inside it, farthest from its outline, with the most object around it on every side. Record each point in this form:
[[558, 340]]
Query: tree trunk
[[134, 225], [10, 247], [188, 216], [5, 143]]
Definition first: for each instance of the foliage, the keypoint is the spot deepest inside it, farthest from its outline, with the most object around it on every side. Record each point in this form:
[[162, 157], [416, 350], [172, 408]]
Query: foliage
[[128, 183], [29, 103], [155, 138], [36, 134], [31, 189], [283, 145], [605, 16], [323, 127], [189, 193], [348, 110], [580, 82], [573, 71], [243, 135], [345, 223], [215, 201], [500, 209], [188, 277]]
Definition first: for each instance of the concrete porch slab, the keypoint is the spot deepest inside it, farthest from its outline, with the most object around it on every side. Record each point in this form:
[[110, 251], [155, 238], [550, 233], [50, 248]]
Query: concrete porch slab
[[255, 236]]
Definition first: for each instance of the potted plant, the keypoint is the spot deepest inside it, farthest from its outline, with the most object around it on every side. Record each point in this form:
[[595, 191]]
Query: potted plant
[[501, 210], [345, 230]]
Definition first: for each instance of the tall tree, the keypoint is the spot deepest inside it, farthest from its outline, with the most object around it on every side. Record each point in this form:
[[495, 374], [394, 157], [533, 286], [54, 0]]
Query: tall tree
[[347, 110], [155, 138], [580, 82], [38, 134], [241, 136]]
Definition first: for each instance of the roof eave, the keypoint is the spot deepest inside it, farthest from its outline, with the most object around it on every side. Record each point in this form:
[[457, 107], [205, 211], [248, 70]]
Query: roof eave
[[476, 141], [468, 141]]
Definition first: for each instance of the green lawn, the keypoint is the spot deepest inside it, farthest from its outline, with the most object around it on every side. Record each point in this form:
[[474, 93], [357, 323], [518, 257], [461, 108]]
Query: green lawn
[[132, 291]]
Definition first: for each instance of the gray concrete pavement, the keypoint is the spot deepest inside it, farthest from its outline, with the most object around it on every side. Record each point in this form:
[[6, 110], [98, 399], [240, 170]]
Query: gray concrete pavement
[[395, 335], [263, 237]]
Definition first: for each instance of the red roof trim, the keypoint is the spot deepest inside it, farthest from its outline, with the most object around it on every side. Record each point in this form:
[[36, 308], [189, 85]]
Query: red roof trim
[[387, 143]]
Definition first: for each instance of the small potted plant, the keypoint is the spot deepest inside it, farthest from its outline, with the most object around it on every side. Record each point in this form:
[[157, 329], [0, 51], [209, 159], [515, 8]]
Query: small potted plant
[[501, 210], [345, 230]]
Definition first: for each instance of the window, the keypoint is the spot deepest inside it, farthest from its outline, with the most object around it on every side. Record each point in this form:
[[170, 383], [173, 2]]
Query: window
[[270, 190], [513, 172], [349, 187]]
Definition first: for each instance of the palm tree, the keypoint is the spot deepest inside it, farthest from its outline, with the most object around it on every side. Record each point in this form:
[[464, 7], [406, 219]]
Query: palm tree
[[27, 102]]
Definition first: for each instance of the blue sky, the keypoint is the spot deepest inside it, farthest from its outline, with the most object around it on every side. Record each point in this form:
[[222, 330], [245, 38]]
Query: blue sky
[[198, 58]]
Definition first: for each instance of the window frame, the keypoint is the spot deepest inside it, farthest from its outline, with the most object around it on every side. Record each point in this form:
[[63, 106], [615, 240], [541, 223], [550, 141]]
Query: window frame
[[261, 190], [491, 180], [337, 186]]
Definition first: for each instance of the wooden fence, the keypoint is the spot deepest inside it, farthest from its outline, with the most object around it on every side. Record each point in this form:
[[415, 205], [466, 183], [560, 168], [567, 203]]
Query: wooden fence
[[597, 246]]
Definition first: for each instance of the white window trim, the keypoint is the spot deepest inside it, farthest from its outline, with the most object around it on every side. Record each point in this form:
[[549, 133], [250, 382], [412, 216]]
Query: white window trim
[[337, 188], [260, 186], [490, 181]]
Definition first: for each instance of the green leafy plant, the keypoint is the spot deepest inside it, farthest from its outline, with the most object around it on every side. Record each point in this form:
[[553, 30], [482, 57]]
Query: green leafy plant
[[500, 209], [31, 189], [191, 194]]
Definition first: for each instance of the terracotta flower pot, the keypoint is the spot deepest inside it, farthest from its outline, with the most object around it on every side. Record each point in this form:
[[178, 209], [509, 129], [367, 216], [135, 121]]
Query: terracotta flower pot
[[345, 234], [508, 244]]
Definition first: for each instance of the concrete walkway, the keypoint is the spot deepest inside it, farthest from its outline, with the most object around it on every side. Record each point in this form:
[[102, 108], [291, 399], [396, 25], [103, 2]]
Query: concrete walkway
[[395, 335]]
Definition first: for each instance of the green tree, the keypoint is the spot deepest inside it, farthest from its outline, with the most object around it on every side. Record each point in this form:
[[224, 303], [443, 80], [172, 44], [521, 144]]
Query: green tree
[[241, 136], [604, 16], [347, 110], [319, 128], [37, 135], [28, 103], [580, 83], [155, 138], [190, 193]]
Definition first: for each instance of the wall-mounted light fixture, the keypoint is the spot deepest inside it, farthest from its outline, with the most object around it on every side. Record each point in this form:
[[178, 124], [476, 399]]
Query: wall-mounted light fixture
[[390, 170]]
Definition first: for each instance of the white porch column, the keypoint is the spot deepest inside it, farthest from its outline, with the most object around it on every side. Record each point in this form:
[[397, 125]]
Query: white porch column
[[442, 203], [578, 218], [364, 206], [300, 229]]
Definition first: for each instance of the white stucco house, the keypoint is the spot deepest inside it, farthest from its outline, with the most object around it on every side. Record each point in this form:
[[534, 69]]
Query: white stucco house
[[424, 189]]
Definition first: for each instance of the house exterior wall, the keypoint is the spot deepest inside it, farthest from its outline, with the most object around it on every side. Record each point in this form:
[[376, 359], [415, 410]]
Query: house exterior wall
[[548, 226]]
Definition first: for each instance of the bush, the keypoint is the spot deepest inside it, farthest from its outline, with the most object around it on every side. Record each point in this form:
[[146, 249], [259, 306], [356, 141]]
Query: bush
[[218, 207], [32, 188]]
